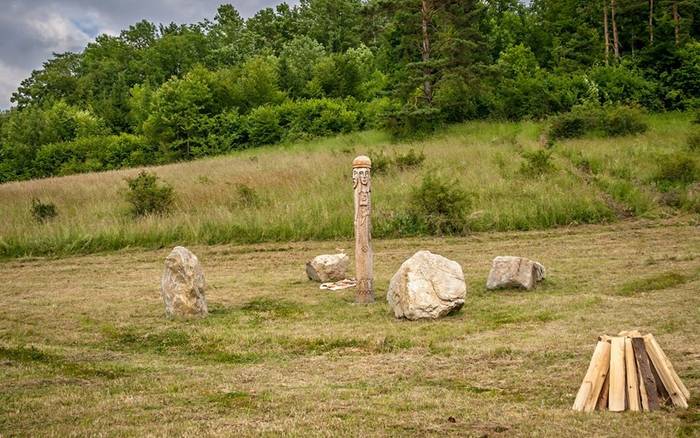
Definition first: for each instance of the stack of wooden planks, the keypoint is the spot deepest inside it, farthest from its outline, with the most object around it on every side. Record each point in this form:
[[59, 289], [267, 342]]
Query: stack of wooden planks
[[630, 372]]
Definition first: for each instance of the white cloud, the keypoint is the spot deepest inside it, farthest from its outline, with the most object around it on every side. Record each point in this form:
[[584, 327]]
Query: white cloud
[[10, 77], [58, 33]]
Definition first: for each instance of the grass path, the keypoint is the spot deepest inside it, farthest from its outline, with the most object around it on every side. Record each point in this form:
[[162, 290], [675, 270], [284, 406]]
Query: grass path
[[85, 349]]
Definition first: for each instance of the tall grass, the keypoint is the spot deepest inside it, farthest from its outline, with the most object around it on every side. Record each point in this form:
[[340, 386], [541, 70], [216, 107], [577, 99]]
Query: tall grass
[[303, 191]]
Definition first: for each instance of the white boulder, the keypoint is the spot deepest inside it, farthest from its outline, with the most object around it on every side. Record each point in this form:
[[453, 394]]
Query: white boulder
[[328, 268], [426, 286]]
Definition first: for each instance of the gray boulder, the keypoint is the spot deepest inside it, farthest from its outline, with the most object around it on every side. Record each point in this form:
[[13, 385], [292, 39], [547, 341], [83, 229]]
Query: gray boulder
[[511, 272], [426, 286], [182, 285], [328, 268]]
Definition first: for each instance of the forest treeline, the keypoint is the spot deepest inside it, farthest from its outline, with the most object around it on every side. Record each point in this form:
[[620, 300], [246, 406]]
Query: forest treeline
[[161, 93]]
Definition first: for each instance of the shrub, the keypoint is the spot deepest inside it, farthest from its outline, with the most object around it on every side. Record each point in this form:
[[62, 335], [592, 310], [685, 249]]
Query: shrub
[[575, 123], [620, 120], [622, 85], [412, 122], [264, 126], [614, 120], [42, 212], [439, 206], [147, 196], [676, 169], [694, 140], [537, 163], [381, 163], [246, 196], [96, 153], [409, 160]]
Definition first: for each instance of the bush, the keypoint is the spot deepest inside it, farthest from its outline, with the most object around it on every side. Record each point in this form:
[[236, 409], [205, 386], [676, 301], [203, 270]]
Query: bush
[[409, 160], [147, 196], [569, 125], [246, 196], [264, 126], [42, 212], [613, 121], [382, 163], [676, 169], [694, 140], [93, 154], [439, 206], [537, 163], [620, 85], [413, 122], [620, 120]]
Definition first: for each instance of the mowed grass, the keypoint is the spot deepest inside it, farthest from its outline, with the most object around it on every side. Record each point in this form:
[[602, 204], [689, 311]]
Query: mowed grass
[[303, 191], [85, 348]]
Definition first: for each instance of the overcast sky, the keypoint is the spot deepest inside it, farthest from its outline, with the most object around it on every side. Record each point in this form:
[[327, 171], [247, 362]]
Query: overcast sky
[[31, 30]]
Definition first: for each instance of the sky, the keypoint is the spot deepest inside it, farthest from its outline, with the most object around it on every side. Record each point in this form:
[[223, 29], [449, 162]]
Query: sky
[[31, 30]]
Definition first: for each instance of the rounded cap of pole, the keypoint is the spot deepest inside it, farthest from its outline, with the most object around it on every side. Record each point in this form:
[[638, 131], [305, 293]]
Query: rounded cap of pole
[[362, 161]]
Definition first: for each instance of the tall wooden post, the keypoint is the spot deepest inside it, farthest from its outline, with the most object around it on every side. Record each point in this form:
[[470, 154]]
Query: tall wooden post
[[362, 185]]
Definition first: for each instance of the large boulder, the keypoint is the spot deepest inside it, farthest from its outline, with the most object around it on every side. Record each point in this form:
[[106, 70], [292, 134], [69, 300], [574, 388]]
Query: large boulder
[[510, 272], [426, 286], [328, 267], [182, 285]]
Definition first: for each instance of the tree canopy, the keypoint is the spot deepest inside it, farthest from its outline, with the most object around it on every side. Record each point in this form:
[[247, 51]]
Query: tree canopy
[[157, 93]]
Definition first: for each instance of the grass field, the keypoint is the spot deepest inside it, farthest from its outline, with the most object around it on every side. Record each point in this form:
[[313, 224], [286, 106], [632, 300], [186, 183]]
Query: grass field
[[303, 191], [85, 348]]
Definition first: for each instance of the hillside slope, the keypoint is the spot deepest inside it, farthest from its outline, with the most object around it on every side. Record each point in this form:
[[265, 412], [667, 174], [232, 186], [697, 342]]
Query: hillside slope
[[303, 191]]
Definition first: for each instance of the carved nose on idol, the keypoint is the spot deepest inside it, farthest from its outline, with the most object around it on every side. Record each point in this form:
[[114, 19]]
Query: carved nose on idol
[[362, 185]]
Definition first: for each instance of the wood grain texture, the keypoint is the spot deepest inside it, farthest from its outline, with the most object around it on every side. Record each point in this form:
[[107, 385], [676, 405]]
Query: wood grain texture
[[602, 403], [616, 397], [664, 373], [587, 396], [362, 189], [669, 366], [633, 400]]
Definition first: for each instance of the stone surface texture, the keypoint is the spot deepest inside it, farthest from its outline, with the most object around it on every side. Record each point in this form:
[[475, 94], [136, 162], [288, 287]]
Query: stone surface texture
[[182, 286], [426, 285], [514, 272], [328, 267]]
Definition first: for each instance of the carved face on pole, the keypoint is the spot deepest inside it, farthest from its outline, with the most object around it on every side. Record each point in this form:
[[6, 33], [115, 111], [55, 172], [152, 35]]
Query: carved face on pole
[[364, 176]]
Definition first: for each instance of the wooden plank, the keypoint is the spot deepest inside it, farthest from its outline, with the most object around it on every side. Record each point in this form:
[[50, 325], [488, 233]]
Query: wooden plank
[[664, 398], [664, 373], [647, 383], [643, 399], [616, 397], [631, 375], [602, 369], [589, 387], [602, 404], [669, 366]]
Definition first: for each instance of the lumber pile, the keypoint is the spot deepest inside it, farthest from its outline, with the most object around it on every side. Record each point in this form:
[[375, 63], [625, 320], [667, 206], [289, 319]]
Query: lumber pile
[[630, 372]]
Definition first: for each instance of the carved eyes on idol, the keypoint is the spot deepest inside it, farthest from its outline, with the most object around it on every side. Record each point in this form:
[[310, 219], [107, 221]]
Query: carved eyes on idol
[[364, 176]]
